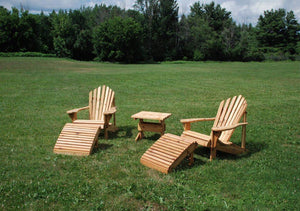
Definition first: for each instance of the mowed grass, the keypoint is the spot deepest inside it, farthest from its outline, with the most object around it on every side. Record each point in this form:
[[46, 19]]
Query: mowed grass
[[35, 94]]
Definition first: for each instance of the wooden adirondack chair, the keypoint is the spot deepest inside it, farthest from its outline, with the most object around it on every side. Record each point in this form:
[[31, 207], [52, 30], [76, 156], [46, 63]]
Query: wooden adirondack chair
[[101, 110], [227, 119]]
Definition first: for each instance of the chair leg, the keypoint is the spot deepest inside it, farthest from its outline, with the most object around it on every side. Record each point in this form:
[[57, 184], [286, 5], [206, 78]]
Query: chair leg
[[214, 139], [191, 159], [105, 133], [213, 153]]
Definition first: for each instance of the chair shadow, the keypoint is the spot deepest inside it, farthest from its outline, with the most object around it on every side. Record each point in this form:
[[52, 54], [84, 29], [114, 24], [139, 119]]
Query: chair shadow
[[101, 147], [152, 137], [203, 152], [184, 165], [122, 132], [252, 148]]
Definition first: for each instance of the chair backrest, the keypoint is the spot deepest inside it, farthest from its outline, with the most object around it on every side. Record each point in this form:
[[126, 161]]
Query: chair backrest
[[229, 113], [101, 99]]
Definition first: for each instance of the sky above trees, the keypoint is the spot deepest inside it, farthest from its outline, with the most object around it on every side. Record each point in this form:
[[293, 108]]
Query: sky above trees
[[242, 11]]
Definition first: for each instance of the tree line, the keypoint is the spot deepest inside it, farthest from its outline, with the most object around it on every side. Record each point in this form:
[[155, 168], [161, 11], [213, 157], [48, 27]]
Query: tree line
[[152, 31]]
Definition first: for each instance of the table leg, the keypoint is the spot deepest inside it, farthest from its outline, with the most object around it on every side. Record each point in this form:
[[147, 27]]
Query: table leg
[[163, 127], [140, 135]]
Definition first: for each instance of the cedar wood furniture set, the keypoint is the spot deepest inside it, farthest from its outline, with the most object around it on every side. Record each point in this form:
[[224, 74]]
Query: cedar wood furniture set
[[81, 136]]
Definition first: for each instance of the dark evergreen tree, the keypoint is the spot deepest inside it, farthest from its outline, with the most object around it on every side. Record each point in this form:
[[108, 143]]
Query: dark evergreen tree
[[207, 23], [278, 31], [166, 42]]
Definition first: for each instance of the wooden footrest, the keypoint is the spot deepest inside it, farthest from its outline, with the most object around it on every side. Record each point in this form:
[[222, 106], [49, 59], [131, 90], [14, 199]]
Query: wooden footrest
[[77, 139], [167, 152]]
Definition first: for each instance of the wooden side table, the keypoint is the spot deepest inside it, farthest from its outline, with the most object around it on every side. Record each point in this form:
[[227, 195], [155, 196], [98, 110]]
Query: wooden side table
[[159, 127]]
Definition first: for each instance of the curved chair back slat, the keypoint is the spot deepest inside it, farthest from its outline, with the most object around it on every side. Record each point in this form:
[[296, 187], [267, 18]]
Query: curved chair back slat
[[229, 113], [101, 99]]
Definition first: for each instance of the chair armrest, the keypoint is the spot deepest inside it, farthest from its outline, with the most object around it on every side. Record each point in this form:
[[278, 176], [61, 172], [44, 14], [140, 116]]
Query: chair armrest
[[184, 121], [75, 110], [73, 113], [112, 110], [219, 129]]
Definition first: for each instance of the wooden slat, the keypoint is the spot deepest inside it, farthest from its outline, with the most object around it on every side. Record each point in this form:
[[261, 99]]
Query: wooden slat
[[175, 143], [168, 146], [86, 128], [164, 162], [233, 119], [161, 153], [159, 157], [86, 121], [74, 137], [90, 104], [218, 113], [78, 130], [77, 136], [196, 135], [167, 152], [228, 111], [151, 115], [221, 120], [94, 103], [74, 142], [161, 148], [101, 103], [77, 139], [98, 104], [198, 141], [107, 104], [155, 161], [74, 152], [74, 146], [236, 117], [111, 100], [154, 165], [234, 110]]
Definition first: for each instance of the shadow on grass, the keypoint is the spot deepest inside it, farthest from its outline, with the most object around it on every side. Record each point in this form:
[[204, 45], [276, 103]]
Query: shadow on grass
[[251, 147], [184, 165], [122, 132], [203, 152], [152, 137], [101, 147]]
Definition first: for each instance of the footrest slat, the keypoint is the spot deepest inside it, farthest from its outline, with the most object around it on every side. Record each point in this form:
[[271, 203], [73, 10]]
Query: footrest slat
[[167, 152], [77, 139]]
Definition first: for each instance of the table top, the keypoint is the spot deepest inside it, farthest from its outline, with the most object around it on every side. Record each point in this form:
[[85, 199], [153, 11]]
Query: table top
[[151, 115]]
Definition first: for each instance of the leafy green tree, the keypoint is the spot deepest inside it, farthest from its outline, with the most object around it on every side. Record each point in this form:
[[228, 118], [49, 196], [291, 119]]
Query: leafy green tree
[[150, 23], [184, 39], [6, 33], [207, 24], [247, 46], [292, 35], [118, 39], [102, 13], [9, 30], [82, 48], [62, 33], [278, 29], [19, 31], [200, 34], [216, 16], [45, 33], [72, 35], [28, 38]]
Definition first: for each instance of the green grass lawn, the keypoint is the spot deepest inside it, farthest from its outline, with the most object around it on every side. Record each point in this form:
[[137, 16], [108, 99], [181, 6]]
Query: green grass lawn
[[35, 94]]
